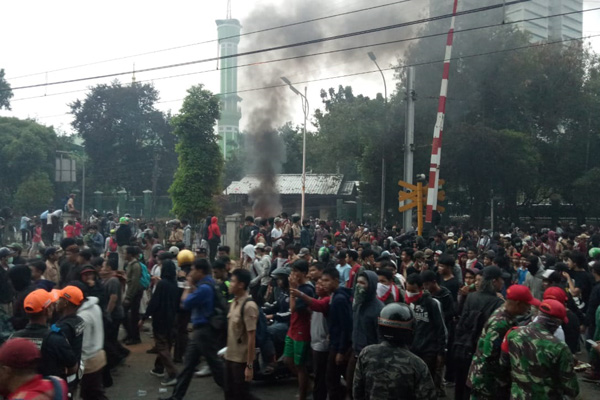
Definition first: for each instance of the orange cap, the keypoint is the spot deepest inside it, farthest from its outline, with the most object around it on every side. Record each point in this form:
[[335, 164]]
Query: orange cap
[[37, 301], [73, 294]]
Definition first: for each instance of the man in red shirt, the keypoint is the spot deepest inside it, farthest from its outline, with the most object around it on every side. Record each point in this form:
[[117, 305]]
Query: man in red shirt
[[297, 341], [69, 229], [19, 380]]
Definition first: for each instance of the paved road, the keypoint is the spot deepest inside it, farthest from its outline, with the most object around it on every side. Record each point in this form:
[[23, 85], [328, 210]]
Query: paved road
[[134, 376]]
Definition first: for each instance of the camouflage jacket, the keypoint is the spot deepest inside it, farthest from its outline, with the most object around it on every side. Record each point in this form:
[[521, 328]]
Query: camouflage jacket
[[486, 377], [386, 372], [541, 366]]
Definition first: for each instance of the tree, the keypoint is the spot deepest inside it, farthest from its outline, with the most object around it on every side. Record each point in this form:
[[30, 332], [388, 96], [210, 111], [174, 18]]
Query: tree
[[35, 193], [127, 140], [484, 161], [198, 176], [5, 92], [28, 149], [355, 132]]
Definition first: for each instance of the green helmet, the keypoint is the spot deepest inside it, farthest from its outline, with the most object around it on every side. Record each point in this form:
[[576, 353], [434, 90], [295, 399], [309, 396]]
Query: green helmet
[[594, 252]]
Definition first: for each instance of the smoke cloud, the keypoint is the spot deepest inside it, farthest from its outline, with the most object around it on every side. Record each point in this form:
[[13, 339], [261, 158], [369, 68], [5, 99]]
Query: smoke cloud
[[265, 110], [270, 14], [266, 153]]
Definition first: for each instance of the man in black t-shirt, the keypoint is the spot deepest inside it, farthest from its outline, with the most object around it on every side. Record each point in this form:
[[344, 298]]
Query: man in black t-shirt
[[447, 278]]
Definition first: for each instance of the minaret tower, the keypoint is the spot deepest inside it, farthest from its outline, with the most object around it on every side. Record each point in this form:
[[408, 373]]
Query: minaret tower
[[229, 124]]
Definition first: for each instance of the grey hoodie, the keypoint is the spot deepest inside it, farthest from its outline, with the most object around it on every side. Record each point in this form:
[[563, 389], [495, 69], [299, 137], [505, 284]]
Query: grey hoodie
[[365, 331]]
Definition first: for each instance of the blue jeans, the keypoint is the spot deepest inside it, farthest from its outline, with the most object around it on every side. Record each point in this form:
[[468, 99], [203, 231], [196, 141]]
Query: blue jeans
[[275, 334]]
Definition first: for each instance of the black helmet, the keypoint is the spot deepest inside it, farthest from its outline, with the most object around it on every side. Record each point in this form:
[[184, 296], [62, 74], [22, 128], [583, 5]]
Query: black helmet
[[5, 252], [396, 323]]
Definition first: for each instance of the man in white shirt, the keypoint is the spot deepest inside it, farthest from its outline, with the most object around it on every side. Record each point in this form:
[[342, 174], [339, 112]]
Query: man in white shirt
[[277, 233]]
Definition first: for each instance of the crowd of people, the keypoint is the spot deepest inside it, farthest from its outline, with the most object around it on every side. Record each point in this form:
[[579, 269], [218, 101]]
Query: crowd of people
[[349, 310]]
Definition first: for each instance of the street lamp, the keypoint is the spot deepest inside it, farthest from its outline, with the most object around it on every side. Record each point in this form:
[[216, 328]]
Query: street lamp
[[305, 109], [374, 59]]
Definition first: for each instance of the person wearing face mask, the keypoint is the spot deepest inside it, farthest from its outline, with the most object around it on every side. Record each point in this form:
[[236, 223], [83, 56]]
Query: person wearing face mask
[[548, 372], [387, 291], [365, 311]]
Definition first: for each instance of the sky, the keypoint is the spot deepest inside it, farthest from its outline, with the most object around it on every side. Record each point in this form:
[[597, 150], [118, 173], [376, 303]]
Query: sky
[[53, 41]]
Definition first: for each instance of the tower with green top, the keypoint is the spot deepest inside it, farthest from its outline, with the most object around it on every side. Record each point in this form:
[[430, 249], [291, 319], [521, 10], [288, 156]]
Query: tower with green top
[[229, 123]]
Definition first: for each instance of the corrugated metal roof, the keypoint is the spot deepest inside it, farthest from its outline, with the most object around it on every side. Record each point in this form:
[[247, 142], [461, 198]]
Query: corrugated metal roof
[[316, 184], [347, 188]]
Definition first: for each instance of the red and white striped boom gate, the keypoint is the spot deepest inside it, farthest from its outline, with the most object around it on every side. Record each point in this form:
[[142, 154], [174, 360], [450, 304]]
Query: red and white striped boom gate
[[436, 147]]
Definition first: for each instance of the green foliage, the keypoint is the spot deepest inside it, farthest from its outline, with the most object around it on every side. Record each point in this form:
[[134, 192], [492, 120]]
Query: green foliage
[[355, 132], [482, 160], [127, 140], [35, 193], [546, 95], [198, 177], [5, 93], [586, 191], [28, 149]]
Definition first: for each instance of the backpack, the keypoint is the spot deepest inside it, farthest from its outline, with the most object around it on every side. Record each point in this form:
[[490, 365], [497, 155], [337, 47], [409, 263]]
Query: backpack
[[57, 386], [261, 323], [218, 319], [145, 276], [467, 334]]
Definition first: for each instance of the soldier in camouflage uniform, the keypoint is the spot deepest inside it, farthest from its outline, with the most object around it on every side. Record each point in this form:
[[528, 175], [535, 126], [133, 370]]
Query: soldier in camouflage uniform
[[389, 370], [541, 366], [485, 378]]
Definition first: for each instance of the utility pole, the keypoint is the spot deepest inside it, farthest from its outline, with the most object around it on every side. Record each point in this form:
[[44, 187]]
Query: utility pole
[[382, 208], [83, 190], [492, 212], [409, 140]]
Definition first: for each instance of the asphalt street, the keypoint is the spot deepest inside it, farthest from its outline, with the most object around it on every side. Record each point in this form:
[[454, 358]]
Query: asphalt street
[[132, 381]]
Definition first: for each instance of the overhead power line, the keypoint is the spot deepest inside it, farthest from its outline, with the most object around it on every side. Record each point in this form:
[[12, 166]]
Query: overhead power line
[[275, 48], [329, 51], [461, 57], [213, 40]]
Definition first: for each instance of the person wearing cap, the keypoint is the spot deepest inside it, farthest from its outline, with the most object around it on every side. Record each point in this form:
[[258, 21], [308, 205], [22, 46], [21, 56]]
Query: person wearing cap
[[38, 307], [19, 378], [17, 249], [123, 236], [485, 376], [71, 326], [477, 309], [570, 332], [539, 364], [389, 370]]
